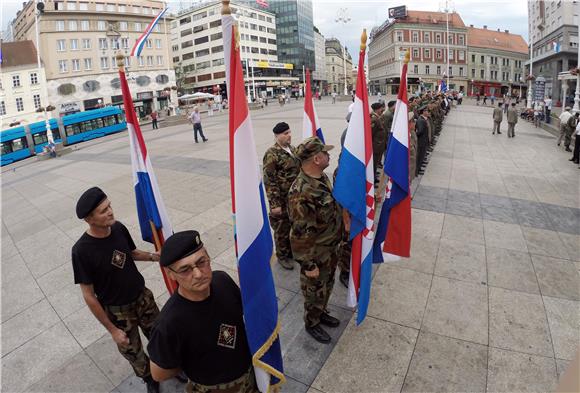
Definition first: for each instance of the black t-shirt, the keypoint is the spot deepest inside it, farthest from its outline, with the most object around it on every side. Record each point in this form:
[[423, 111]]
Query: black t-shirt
[[108, 265], [206, 339]]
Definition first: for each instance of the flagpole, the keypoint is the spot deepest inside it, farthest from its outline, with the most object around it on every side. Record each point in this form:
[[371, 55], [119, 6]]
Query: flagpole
[[447, 19]]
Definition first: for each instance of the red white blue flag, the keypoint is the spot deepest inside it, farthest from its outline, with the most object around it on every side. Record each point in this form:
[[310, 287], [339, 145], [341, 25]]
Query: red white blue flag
[[153, 219], [354, 191], [140, 43], [394, 227], [252, 236], [310, 123]]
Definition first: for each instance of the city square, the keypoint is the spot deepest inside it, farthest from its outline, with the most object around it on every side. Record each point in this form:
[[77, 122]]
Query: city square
[[487, 302]]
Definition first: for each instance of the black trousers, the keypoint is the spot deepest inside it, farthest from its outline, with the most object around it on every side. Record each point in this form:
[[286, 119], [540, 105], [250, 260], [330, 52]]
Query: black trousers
[[197, 128], [576, 154], [154, 123]]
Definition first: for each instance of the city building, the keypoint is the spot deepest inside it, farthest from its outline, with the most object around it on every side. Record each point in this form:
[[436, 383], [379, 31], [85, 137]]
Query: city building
[[424, 34], [198, 53], [22, 85], [78, 43], [335, 67], [496, 62], [553, 32], [319, 73]]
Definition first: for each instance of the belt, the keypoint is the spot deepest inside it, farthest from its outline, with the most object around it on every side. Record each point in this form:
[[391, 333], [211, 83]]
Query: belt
[[128, 306], [228, 387]]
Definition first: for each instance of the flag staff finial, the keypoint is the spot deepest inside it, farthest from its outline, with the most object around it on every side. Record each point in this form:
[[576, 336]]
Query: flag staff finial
[[407, 56], [363, 40], [120, 60], [226, 10]]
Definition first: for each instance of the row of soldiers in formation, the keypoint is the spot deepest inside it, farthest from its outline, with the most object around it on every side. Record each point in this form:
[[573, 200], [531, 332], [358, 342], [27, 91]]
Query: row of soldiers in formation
[[310, 227]]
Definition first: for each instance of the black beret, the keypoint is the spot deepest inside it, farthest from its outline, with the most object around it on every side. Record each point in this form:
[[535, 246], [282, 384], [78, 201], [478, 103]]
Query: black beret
[[376, 105], [180, 245], [281, 127], [391, 103], [90, 199]]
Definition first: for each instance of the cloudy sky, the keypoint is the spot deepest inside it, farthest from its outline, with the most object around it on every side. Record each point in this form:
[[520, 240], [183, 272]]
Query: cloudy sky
[[496, 14]]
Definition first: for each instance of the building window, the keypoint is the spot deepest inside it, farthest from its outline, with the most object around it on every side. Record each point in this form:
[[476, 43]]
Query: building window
[[104, 63], [74, 44], [100, 7], [137, 26], [60, 45], [450, 71], [415, 69], [115, 43], [111, 7], [427, 70], [415, 53], [62, 66], [84, 6], [15, 80], [2, 108], [60, 25], [36, 99], [123, 26], [141, 61], [157, 43], [399, 36], [122, 8], [461, 40], [72, 25], [34, 78], [461, 55], [149, 60], [473, 58], [101, 25], [86, 43], [85, 25], [149, 43], [473, 72], [460, 71], [481, 74], [159, 60], [88, 64], [103, 43], [427, 53], [125, 43], [426, 37], [437, 38], [450, 39], [482, 60], [438, 53], [415, 36], [76, 64], [19, 104]]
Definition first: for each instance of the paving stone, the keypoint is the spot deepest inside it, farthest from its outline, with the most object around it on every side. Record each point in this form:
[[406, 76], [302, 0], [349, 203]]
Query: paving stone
[[457, 309], [572, 245], [466, 229], [67, 301], [105, 355], [17, 281], [564, 322], [427, 223], [563, 219], [501, 214], [500, 235], [432, 192], [544, 242], [399, 296], [218, 239], [442, 364], [561, 367], [37, 358], [557, 277], [463, 209], [423, 254], [79, 374], [429, 203], [371, 367], [45, 251], [461, 261], [511, 270], [85, 327], [293, 386], [470, 198], [531, 214], [517, 321], [517, 372]]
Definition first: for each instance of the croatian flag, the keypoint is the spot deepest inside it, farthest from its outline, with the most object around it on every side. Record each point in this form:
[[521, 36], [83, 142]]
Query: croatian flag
[[153, 219], [394, 227], [556, 46], [310, 123], [140, 43], [354, 191], [252, 236], [443, 86]]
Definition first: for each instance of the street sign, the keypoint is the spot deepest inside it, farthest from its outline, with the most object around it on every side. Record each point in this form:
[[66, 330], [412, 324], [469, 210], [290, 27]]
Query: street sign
[[540, 89], [398, 12]]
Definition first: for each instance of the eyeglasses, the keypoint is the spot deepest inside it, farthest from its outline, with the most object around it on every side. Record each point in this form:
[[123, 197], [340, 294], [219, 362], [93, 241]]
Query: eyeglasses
[[187, 269]]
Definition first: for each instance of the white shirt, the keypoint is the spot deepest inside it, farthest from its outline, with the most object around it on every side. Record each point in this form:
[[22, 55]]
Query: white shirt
[[548, 103], [564, 117], [195, 117], [578, 128]]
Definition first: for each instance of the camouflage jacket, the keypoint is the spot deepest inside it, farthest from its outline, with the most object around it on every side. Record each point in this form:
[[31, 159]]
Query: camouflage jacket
[[315, 219], [280, 170], [379, 135]]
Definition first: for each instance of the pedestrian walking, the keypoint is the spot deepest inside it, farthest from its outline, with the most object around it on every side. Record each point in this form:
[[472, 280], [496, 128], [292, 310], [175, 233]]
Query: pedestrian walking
[[497, 119], [103, 261], [512, 118], [210, 107], [334, 97], [572, 123], [548, 109], [195, 119], [154, 116], [538, 110], [477, 99], [485, 100], [201, 329], [280, 168], [564, 117]]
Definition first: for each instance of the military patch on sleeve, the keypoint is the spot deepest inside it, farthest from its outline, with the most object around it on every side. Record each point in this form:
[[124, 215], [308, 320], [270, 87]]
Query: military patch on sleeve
[[118, 259], [227, 336]]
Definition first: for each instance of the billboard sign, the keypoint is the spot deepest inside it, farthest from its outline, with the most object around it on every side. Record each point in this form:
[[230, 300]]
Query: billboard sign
[[398, 12]]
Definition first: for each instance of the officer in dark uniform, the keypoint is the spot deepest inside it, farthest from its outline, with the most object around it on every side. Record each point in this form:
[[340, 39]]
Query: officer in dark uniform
[[103, 264], [281, 166], [422, 130], [200, 330]]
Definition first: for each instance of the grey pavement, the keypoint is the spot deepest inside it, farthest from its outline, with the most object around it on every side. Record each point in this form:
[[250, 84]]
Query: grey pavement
[[488, 300]]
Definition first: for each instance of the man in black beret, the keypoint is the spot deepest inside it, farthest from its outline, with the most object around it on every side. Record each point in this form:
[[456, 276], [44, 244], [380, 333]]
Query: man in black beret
[[114, 290], [200, 330], [379, 136], [422, 130], [280, 168]]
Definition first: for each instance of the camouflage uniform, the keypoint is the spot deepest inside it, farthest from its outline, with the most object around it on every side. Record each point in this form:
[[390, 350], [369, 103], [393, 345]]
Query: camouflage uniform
[[379, 140], [315, 234], [129, 318], [280, 171], [244, 384], [412, 149]]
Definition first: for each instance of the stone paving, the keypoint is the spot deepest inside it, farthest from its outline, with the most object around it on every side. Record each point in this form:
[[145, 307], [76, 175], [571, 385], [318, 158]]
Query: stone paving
[[488, 301]]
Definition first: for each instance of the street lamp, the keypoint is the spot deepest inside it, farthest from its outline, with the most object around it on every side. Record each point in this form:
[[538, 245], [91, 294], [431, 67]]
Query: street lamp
[[472, 86], [521, 81], [343, 18], [577, 95]]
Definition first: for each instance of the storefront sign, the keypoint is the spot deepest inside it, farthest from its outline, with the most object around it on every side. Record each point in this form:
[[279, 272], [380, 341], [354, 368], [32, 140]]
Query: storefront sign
[[146, 95], [70, 107], [271, 64]]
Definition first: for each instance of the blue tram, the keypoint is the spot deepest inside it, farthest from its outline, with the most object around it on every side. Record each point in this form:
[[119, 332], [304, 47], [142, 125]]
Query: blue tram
[[22, 142]]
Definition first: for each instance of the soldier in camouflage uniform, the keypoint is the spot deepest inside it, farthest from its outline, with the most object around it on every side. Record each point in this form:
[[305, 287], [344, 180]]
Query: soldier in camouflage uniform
[[281, 166], [315, 234], [379, 136], [114, 290]]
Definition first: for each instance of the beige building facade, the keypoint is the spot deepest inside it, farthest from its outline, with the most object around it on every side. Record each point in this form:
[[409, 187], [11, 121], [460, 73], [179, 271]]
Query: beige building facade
[[335, 64], [78, 43]]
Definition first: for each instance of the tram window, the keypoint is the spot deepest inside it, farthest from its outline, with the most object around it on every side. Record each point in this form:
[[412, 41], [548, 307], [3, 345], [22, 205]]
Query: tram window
[[56, 134], [19, 144], [109, 121], [40, 138], [6, 147]]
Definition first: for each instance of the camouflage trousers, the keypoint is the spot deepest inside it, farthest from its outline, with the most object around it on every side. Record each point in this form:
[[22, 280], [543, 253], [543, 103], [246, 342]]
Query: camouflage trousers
[[244, 384], [317, 291], [344, 251], [129, 318], [281, 226]]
